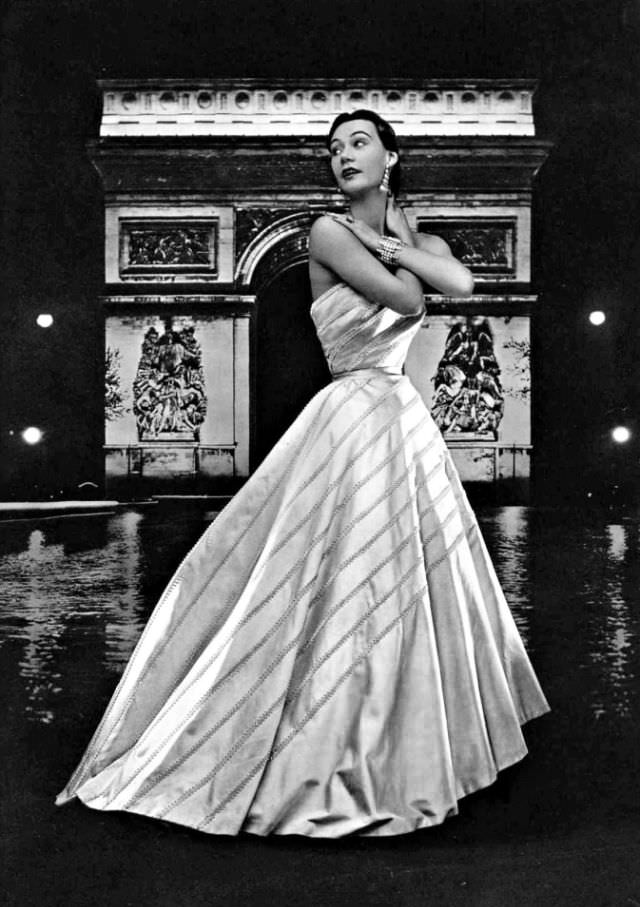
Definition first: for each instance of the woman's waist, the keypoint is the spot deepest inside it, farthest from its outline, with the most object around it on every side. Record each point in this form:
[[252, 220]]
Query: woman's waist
[[368, 371]]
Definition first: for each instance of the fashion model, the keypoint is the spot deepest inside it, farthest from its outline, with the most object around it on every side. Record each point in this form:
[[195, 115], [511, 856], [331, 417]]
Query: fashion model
[[335, 655]]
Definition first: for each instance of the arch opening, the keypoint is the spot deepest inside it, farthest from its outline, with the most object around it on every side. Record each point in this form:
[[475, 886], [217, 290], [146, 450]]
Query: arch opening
[[289, 364]]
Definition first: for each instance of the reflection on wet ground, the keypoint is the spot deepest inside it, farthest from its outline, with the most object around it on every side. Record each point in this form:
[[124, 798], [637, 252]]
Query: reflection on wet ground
[[75, 594]]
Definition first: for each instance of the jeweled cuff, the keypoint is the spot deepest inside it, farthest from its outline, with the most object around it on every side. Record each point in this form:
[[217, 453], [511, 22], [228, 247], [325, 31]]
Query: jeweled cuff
[[388, 250]]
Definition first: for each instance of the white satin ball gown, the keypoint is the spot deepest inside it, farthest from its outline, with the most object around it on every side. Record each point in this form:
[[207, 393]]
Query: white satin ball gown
[[335, 654]]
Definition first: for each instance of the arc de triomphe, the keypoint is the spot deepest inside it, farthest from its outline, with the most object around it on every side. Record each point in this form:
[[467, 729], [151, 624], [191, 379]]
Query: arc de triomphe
[[210, 188]]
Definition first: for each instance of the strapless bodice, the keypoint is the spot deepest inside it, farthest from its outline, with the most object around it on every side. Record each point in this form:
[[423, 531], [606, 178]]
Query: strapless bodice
[[358, 334]]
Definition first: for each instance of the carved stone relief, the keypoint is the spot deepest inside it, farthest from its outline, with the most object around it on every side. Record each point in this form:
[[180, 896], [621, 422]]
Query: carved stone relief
[[468, 395], [114, 394], [169, 399], [165, 246]]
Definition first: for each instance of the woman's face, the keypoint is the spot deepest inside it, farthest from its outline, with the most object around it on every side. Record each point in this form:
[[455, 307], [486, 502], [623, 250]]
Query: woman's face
[[358, 157]]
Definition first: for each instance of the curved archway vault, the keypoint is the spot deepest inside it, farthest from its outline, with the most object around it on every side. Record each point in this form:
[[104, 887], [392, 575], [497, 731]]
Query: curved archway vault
[[288, 366], [282, 245]]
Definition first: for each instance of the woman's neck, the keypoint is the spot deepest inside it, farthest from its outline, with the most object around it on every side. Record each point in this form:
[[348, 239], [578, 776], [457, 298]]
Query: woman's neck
[[371, 208]]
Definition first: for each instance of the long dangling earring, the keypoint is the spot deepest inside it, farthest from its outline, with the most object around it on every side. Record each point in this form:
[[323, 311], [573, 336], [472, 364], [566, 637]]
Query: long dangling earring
[[386, 176]]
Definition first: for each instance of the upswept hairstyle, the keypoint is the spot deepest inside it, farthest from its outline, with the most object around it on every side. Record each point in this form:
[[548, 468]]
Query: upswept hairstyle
[[384, 130]]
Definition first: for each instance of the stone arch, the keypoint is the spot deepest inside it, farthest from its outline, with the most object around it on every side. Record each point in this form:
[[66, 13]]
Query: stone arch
[[278, 247], [288, 365]]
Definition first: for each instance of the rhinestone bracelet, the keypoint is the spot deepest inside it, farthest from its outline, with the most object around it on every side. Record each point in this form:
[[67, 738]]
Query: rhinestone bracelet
[[388, 250]]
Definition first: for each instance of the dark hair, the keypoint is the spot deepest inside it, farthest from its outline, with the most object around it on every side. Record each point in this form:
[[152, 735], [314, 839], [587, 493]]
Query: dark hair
[[384, 130]]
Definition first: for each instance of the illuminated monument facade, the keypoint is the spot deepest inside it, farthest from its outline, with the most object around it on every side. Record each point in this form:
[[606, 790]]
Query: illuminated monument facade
[[210, 190]]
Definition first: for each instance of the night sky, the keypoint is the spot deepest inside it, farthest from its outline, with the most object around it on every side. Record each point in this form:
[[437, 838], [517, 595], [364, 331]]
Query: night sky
[[586, 211]]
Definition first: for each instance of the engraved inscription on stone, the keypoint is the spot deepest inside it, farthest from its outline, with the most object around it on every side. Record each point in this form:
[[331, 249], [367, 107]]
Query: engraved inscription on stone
[[165, 246], [485, 246]]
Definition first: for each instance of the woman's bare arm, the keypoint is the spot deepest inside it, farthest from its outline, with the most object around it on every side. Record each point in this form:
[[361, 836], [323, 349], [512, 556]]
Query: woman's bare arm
[[338, 249], [430, 259]]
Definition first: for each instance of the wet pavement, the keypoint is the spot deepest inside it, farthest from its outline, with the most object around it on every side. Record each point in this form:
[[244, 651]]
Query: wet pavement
[[562, 827]]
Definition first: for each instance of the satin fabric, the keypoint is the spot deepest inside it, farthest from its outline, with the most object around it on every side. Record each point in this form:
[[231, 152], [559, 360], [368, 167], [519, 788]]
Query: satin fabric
[[335, 655]]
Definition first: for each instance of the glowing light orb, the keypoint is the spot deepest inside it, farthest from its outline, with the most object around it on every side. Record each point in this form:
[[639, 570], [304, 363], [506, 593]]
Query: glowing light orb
[[44, 320], [597, 317], [621, 434], [32, 435]]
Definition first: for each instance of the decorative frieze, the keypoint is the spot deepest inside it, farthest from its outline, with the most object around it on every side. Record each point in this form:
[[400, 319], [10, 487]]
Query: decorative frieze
[[286, 108]]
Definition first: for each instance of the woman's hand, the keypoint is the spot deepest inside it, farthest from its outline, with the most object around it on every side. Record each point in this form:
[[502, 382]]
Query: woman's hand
[[397, 223], [366, 234]]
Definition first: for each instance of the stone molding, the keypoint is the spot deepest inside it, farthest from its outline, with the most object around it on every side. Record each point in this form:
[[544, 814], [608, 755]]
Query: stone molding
[[438, 107], [252, 221], [286, 237], [160, 246], [168, 243], [185, 299]]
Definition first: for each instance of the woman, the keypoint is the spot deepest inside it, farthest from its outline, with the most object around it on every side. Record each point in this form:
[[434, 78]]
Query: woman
[[335, 655]]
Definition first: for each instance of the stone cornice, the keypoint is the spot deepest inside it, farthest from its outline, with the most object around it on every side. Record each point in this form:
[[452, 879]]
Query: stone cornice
[[244, 168], [246, 107]]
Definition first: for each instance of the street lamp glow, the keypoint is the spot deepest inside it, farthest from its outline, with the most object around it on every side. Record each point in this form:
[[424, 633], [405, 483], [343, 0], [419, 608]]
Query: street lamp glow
[[621, 434], [597, 317], [32, 435], [44, 320]]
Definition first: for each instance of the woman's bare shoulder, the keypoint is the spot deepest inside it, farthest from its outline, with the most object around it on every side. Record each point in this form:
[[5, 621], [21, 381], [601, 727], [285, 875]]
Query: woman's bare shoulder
[[322, 236], [325, 229]]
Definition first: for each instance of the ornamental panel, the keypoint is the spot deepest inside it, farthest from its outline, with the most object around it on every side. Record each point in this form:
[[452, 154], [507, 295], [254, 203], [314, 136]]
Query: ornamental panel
[[474, 374], [161, 247], [169, 393]]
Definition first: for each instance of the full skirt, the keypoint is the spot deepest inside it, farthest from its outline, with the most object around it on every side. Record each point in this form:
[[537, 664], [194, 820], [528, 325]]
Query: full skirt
[[335, 655]]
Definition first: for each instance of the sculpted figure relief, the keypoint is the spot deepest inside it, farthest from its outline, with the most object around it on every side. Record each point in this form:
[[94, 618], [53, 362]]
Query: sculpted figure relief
[[168, 390], [468, 392]]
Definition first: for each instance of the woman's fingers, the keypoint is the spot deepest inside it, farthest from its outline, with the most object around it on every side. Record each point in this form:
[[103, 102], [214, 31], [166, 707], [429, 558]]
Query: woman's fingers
[[360, 230]]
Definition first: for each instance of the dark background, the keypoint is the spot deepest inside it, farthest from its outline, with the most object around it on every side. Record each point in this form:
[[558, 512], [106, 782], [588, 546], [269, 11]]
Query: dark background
[[586, 209]]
